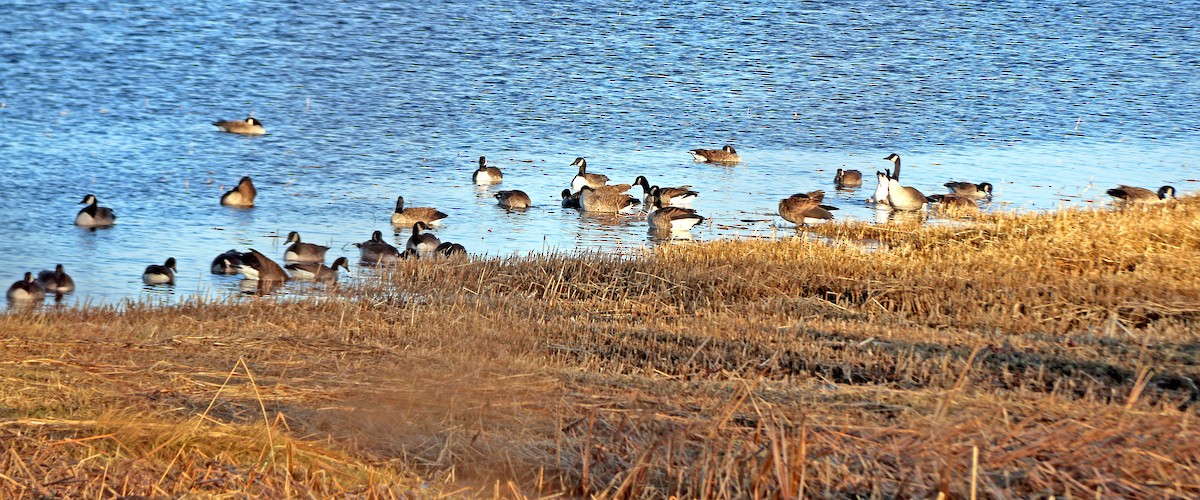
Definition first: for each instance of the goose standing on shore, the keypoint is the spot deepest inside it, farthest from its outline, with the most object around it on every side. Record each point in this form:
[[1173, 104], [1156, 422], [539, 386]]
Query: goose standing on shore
[[724, 155], [903, 197], [407, 216], [583, 178], [249, 126], [94, 215], [242, 195], [485, 175], [303, 252]]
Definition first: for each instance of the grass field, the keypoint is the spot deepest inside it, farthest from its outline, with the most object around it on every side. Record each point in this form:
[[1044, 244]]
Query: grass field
[[1014, 356]]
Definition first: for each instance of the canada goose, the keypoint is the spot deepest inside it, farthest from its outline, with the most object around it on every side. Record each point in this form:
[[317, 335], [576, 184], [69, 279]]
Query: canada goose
[[160, 274], [303, 252], [256, 266], [226, 263], [607, 199], [375, 251], [678, 196], [249, 126], [847, 178], [316, 271], [422, 243], [94, 215], [448, 249], [570, 200], [513, 199], [723, 155], [26, 290], [953, 202], [583, 178], [406, 217], [486, 175], [242, 195], [669, 218], [56, 281], [970, 189], [1130, 194], [881, 190], [903, 197], [805, 208]]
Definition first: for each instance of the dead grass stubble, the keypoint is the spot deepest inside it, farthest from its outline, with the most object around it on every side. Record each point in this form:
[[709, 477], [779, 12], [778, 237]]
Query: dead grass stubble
[[1061, 348]]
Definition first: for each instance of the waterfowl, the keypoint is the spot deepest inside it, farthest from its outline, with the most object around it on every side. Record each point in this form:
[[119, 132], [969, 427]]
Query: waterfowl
[[881, 190], [1131, 194], [422, 242], [570, 200], [94, 215], [249, 126], [805, 208], [226, 263], [970, 189], [723, 155], [953, 202], [375, 251], [448, 249], [316, 271], [303, 252], [160, 274], [583, 178], [847, 178], [607, 199], [903, 197], [26, 290], [670, 218], [513, 199], [408, 216], [256, 266], [242, 195], [485, 175], [679, 196], [56, 281]]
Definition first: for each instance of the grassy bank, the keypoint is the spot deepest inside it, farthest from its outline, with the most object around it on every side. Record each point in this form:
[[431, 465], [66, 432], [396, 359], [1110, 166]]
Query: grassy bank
[[1018, 356]]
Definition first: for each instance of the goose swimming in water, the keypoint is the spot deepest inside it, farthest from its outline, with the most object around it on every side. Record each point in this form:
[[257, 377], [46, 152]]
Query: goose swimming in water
[[94, 215], [249, 126], [724, 155]]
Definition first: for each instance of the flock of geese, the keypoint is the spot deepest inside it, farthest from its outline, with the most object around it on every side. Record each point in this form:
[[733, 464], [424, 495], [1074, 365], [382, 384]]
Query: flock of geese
[[667, 211]]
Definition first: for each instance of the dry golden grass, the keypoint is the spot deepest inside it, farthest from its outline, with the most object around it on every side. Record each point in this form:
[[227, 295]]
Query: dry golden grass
[[1016, 356]]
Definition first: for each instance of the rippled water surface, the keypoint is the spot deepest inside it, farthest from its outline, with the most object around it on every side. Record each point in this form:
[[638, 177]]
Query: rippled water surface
[[1051, 102]]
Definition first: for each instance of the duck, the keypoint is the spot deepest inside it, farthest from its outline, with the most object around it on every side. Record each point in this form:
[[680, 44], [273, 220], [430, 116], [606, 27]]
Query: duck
[[26, 290], [303, 252], [903, 197], [570, 200], [249, 126], [57, 281], [724, 155], [447, 249], [94, 215], [607, 199], [256, 266], [670, 218], [847, 178], [1131, 194], [406, 217], [156, 274], [951, 202], [678, 196], [316, 271], [805, 208], [881, 190], [242, 195], [583, 178], [375, 251], [970, 189], [485, 175], [515, 199], [226, 263], [422, 243]]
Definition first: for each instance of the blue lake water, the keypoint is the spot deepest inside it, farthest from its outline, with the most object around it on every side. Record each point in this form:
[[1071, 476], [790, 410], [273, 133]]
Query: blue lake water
[[1052, 102]]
